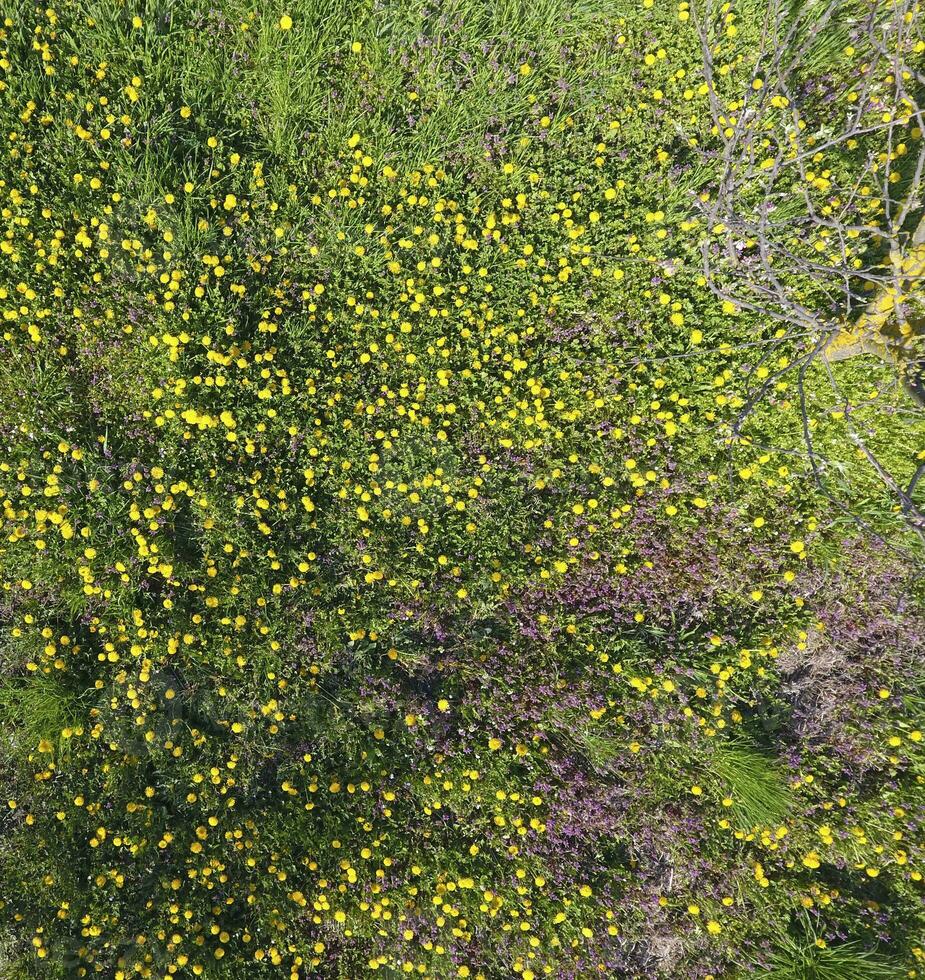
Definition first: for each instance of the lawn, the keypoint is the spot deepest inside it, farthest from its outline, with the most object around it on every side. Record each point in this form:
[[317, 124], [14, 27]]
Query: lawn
[[435, 538]]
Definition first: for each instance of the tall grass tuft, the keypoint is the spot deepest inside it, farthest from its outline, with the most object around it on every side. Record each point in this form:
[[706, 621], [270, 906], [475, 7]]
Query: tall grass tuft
[[754, 782], [849, 961], [34, 711]]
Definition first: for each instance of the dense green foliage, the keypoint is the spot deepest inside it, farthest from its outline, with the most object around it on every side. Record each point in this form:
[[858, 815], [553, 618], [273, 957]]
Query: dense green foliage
[[382, 590]]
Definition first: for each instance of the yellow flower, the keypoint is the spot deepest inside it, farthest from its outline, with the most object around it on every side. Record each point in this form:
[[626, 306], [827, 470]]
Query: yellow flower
[[285, 23]]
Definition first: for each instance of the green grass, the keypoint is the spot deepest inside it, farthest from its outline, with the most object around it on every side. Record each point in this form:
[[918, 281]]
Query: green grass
[[35, 711], [753, 780], [849, 961]]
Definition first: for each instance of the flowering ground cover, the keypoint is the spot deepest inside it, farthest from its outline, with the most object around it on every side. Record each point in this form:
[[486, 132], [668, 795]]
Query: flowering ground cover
[[419, 555]]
